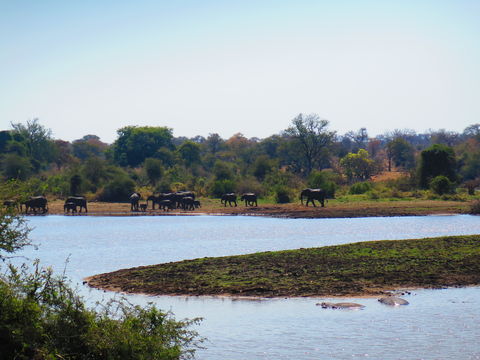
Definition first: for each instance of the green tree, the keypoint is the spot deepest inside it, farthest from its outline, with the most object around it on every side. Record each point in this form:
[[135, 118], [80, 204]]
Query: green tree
[[118, 189], [358, 166], [76, 182], [441, 185], [262, 166], [434, 161], [325, 180], [153, 169], [401, 152], [16, 167], [95, 170], [189, 152], [37, 139], [311, 134], [135, 144]]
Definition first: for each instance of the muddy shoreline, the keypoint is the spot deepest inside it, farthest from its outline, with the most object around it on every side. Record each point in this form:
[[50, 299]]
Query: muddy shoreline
[[333, 209]]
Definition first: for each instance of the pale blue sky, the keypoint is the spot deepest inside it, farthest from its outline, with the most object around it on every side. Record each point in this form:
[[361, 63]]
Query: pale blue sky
[[91, 67]]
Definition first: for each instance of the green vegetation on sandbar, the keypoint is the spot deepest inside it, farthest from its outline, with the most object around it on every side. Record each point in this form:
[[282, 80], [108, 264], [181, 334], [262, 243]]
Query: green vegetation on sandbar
[[364, 268]]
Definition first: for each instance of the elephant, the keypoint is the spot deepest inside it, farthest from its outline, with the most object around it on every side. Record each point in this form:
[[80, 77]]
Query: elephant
[[134, 199], [197, 204], [79, 201], [188, 203], [156, 199], [230, 197], [166, 205], [36, 203], [393, 301], [250, 199], [180, 195], [143, 207], [11, 204], [70, 207], [312, 195]]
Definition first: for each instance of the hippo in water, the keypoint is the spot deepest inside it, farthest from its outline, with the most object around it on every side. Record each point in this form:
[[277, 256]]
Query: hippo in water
[[341, 305], [393, 301]]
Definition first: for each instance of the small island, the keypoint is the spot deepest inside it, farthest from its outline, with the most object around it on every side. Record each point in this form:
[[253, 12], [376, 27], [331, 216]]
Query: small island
[[357, 269]]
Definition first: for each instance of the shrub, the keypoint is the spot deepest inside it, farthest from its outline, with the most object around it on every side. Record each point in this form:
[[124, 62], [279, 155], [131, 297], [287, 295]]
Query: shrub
[[282, 194], [249, 184], [220, 187], [360, 188], [41, 317], [323, 180], [118, 189], [441, 185]]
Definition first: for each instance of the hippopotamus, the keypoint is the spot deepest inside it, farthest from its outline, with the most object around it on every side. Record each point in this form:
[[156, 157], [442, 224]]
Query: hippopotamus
[[341, 305], [393, 301]]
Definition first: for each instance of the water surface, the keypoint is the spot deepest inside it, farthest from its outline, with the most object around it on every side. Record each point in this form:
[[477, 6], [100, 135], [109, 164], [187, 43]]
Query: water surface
[[438, 324]]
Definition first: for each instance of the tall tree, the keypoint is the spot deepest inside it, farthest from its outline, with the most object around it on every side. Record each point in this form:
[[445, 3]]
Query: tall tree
[[134, 144], [401, 152], [37, 139], [190, 153], [313, 138], [358, 166], [434, 161]]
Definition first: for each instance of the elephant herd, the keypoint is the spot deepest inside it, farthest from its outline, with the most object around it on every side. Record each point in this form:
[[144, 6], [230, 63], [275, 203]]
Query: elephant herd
[[184, 200]]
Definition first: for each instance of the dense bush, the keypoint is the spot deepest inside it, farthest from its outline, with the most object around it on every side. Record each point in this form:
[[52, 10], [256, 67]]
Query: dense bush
[[41, 317], [282, 194], [118, 189], [441, 185], [360, 188], [220, 187]]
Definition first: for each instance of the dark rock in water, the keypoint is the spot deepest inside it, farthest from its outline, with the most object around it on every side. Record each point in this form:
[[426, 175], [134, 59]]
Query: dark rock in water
[[393, 301], [344, 305]]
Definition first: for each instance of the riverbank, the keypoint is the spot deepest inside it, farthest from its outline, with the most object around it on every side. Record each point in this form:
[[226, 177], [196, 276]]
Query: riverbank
[[333, 209], [359, 269]]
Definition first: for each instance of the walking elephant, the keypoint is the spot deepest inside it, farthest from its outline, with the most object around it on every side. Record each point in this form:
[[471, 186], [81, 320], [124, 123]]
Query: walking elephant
[[313, 194], [250, 199], [230, 197]]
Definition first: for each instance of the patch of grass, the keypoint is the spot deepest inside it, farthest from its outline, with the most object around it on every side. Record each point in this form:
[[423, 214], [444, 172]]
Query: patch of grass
[[352, 269]]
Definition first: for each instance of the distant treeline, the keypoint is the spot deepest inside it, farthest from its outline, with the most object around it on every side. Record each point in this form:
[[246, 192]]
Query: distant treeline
[[307, 154]]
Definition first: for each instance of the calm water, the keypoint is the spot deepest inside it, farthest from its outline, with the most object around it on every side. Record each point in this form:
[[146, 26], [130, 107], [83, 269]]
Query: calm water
[[438, 324]]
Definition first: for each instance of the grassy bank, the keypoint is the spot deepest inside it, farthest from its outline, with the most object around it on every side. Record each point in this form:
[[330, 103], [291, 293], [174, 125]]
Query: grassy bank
[[365, 268]]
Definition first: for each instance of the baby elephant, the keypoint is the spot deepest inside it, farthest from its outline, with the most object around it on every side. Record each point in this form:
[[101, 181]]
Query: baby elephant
[[143, 207]]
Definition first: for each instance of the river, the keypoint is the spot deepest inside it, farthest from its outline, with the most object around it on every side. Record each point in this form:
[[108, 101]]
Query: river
[[438, 324]]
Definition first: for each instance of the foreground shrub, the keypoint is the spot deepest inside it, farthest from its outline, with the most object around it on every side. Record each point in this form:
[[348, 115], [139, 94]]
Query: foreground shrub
[[41, 317]]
